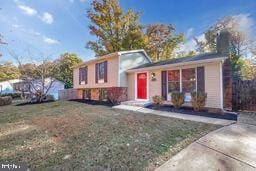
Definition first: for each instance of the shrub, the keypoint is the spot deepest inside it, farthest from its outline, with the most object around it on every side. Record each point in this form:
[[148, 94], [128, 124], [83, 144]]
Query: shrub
[[6, 100], [116, 95], [177, 99], [198, 100], [157, 100], [13, 95]]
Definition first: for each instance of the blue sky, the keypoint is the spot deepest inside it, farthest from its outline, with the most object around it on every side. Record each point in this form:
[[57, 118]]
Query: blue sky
[[52, 27]]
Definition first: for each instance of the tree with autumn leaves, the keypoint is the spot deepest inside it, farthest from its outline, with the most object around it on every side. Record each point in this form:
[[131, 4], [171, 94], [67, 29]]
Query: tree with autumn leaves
[[117, 30]]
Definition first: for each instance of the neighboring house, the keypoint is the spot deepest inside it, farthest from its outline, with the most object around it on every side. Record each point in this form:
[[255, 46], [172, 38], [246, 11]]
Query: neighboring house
[[143, 79], [51, 85], [6, 87]]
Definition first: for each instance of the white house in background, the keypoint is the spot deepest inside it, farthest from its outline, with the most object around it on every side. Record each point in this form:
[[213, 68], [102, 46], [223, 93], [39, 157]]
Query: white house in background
[[54, 84], [6, 87], [51, 86]]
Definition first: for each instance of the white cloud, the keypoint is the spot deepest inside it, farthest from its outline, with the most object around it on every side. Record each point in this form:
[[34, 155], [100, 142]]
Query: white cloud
[[28, 10], [190, 45], [33, 32], [16, 26], [47, 18], [71, 1], [50, 40], [189, 33], [244, 24]]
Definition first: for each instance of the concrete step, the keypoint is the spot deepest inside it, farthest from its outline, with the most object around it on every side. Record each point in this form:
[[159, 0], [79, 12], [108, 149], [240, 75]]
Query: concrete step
[[136, 103]]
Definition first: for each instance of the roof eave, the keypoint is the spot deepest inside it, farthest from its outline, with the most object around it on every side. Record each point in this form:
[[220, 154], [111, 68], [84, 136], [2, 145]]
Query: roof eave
[[111, 55], [166, 66]]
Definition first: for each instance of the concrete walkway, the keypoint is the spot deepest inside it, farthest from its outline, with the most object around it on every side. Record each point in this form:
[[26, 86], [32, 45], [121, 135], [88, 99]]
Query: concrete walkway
[[232, 147], [203, 119]]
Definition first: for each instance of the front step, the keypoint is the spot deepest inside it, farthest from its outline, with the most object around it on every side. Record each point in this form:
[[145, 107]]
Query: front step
[[136, 103]]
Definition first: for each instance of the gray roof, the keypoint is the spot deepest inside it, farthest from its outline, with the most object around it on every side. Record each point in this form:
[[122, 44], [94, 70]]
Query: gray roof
[[182, 60]]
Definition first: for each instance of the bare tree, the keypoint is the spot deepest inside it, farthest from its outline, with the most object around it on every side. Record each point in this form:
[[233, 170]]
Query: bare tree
[[41, 81], [2, 42]]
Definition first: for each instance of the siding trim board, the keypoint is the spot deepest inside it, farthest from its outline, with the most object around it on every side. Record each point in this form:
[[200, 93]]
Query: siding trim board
[[105, 71], [200, 79], [96, 73]]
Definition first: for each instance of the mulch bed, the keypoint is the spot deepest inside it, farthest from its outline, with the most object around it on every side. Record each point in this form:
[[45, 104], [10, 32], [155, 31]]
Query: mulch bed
[[94, 102], [190, 111]]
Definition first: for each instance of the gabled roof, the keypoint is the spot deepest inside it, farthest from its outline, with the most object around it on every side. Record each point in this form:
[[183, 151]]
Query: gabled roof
[[114, 54], [183, 60]]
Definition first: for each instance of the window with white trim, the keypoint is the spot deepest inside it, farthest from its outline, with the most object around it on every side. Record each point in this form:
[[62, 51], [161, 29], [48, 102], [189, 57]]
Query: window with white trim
[[184, 82], [101, 72], [83, 75], [173, 80], [188, 82]]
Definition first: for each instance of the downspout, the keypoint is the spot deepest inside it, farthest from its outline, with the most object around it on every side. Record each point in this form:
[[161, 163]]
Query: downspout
[[221, 85]]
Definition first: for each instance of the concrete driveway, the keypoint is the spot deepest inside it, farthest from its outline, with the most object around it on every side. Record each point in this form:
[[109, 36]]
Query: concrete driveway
[[232, 147]]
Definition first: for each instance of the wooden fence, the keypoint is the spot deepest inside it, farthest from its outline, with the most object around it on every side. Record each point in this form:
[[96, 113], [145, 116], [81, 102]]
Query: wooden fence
[[68, 94], [244, 95]]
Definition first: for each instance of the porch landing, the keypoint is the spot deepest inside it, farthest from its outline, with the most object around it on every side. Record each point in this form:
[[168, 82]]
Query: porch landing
[[136, 103], [195, 118]]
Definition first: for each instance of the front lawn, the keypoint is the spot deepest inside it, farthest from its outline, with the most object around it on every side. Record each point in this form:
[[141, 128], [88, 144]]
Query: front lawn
[[78, 136]]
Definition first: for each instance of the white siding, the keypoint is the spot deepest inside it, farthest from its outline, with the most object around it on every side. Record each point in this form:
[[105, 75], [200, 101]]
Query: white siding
[[212, 85]]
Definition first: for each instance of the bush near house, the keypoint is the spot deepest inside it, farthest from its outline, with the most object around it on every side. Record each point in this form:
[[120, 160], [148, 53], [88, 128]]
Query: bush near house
[[6, 100], [13, 95], [116, 95], [198, 100], [177, 99], [157, 100]]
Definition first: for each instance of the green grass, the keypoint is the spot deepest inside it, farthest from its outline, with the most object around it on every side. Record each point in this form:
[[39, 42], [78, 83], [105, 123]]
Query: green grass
[[71, 135]]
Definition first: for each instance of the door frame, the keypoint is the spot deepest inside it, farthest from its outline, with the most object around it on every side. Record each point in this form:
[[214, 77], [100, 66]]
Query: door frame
[[136, 86]]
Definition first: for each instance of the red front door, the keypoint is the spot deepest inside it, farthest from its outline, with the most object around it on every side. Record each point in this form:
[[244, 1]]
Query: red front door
[[142, 85]]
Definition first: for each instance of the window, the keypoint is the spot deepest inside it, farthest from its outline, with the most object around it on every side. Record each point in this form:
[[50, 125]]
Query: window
[[101, 68], [103, 95], [173, 81], [188, 80], [87, 94], [83, 75], [101, 72]]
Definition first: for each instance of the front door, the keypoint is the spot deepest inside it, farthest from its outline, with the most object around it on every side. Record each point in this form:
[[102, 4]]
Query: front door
[[142, 85]]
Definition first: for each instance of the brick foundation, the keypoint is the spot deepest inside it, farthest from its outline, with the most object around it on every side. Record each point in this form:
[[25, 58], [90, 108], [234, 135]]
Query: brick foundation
[[101, 94]]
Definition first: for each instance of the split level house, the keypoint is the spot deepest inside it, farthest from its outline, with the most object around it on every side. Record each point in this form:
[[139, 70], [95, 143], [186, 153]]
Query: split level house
[[141, 79]]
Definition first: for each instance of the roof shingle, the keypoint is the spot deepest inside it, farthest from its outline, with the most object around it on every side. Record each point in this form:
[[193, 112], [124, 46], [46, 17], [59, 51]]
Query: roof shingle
[[181, 60]]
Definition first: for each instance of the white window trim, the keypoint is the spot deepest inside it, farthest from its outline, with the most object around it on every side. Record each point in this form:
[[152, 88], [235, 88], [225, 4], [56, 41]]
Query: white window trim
[[100, 81], [136, 86], [83, 82]]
